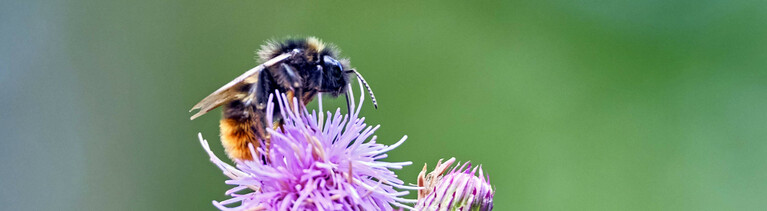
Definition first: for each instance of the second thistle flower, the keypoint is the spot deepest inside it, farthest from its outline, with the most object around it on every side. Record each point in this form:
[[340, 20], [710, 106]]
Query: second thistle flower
[[461, 189]]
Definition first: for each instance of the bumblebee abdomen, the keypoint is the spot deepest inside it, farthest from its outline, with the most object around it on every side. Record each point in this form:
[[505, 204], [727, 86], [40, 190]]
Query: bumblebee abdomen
[[241, 125], [236, 135]]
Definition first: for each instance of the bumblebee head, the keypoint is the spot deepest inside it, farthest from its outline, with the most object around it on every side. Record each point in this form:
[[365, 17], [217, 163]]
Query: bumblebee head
[[333, 78], [332, 66]]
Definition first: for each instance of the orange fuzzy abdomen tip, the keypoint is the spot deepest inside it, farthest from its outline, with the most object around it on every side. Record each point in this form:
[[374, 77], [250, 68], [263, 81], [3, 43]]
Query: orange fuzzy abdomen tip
[[236, 135]]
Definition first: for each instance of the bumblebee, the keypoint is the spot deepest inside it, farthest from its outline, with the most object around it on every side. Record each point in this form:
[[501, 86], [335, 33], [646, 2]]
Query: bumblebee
[[301, 68]]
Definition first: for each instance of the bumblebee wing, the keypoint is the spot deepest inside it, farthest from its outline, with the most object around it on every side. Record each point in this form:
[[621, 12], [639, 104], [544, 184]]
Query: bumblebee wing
[[231, 91], [227, 93]]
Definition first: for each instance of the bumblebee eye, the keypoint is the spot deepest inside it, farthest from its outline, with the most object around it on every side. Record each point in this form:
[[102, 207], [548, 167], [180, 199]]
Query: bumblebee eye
[[332, 62]]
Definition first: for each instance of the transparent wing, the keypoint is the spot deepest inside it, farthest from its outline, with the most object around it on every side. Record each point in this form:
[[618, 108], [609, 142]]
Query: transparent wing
[[230, 91]]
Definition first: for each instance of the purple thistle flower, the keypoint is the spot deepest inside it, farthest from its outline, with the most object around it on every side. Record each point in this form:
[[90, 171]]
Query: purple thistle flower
[[314, 167], [458, 190]]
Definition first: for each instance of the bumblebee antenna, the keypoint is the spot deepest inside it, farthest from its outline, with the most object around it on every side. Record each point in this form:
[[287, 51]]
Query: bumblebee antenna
[[362, 80]]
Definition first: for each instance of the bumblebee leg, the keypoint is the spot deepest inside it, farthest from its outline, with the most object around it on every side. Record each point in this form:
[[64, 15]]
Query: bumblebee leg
[[303, 97], [279, 124], [290, 95], [287, 77], [268, 146], [299, 94], [259, 129], [307, 97]]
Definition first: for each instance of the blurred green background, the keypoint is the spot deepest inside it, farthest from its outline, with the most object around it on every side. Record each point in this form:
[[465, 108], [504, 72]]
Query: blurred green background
[[568, 105]]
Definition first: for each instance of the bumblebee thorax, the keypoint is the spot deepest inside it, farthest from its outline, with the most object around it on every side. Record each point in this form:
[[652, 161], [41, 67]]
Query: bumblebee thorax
[[313, 49]]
